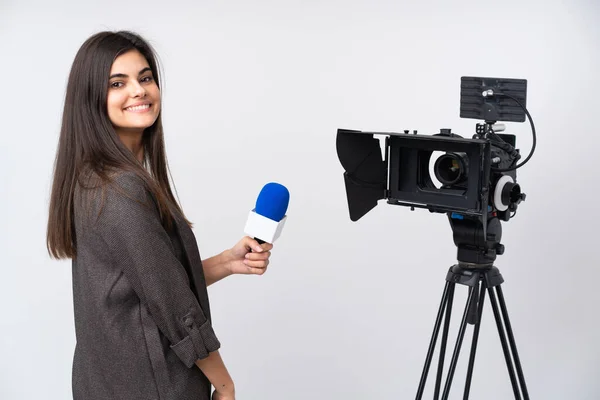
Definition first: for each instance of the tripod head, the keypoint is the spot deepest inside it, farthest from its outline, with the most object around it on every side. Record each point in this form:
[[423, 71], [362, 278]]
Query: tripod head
[[477, 247]]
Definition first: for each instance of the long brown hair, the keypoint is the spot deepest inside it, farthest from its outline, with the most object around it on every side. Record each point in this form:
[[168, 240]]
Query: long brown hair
[[88, 141]]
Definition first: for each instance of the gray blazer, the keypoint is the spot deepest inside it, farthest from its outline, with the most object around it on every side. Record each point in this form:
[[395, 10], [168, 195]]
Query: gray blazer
[[142, 315]]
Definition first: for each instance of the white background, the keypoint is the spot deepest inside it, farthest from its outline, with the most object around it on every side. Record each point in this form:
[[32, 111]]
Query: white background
[[255, 92]]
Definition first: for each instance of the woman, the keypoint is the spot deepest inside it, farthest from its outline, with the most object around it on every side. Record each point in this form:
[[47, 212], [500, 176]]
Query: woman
[[142, 315]]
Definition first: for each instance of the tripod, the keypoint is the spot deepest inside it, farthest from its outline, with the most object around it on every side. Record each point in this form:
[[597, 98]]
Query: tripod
[[475, 269]]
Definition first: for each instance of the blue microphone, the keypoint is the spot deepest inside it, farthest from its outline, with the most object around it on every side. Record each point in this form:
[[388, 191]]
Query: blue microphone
[[266, 220], [273, 201]]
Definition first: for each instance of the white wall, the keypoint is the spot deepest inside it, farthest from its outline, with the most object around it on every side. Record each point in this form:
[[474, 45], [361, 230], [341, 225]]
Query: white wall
[[255, 92]]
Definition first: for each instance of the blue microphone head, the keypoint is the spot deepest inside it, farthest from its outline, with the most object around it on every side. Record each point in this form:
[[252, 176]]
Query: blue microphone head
[[272, 201]]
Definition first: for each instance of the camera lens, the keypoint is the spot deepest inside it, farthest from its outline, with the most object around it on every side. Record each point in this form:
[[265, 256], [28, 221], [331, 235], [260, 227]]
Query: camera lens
[[451, 168]]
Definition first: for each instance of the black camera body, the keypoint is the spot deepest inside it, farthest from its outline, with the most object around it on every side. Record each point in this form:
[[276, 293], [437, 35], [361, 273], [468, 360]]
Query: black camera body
[[476, 177]]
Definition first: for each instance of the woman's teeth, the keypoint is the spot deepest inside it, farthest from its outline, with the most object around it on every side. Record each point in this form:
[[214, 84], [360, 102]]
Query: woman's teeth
[[138, 108]]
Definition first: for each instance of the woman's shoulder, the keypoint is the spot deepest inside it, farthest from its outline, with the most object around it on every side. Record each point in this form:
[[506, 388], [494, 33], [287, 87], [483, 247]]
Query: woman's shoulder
[[116, 186], [91, 179]]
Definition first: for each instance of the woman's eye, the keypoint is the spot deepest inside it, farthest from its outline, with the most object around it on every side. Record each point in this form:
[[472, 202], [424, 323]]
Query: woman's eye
[[116, 85], [147, 79]]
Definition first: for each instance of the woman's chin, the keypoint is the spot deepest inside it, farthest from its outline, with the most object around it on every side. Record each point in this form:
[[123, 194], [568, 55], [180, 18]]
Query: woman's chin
[[138, 125]]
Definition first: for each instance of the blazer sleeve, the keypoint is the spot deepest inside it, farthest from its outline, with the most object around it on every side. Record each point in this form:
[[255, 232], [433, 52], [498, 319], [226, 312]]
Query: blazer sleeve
[[129, 223]]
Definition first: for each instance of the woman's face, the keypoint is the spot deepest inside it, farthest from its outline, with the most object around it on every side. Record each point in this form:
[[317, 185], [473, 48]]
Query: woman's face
[[133, 100]]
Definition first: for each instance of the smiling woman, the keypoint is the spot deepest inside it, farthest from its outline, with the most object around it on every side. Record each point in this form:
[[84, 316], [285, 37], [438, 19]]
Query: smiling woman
[[142, 315], [133, 101]]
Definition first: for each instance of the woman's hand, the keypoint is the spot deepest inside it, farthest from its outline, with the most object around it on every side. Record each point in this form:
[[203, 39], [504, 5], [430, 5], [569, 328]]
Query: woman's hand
[[248, 257]]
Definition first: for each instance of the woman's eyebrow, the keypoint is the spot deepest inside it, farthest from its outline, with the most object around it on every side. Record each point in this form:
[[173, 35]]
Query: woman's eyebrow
[[119, 75]]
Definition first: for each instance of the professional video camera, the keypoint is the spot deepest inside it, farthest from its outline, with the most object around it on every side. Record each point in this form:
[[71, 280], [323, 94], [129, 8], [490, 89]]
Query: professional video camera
[[477, 188], [477, 177]]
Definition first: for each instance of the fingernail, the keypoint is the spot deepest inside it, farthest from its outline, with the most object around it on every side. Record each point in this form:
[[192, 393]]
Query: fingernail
[[258, 248]]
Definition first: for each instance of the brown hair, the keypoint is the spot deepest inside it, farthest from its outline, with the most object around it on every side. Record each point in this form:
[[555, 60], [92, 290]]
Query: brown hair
[[88, 141]]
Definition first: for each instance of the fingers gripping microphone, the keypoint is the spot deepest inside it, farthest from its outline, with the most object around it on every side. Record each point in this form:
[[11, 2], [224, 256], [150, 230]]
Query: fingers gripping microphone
[[266, 220]]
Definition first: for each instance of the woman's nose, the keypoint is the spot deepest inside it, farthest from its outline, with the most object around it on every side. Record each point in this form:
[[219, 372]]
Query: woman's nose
[[138, 90]]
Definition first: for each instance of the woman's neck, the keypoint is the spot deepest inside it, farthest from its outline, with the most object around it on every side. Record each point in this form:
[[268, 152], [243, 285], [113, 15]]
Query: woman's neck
[[133, 141]]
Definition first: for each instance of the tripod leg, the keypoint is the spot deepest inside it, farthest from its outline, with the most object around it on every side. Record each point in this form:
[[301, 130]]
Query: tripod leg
[[513, 345], [461, 335], [438, 379], [446, 297], [474, 343], [511, 371]]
